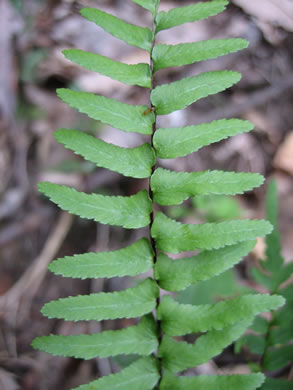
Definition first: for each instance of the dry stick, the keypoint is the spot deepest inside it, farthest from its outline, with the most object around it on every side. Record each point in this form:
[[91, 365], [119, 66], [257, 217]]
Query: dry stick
[[16, 230], [27, 286]]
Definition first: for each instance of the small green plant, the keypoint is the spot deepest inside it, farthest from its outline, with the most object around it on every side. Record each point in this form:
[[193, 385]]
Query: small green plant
[[221, 245], [272, 338]]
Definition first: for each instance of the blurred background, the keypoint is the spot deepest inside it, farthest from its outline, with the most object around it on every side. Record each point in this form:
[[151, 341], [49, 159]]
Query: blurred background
[[33, 231]]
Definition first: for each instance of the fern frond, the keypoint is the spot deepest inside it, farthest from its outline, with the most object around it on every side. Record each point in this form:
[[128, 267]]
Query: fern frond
[[133, 162], [165, 56], [138, 74], [175, 237], [176, 275], [140, 339], [188, 14], [178, 142], [130, 212], [143, 374], [212, 382], [172, 188], [130, 303], [130, 261], [178, 356], [122, 116], [223, 244], [141, 37], [179, 319], [180, 94]]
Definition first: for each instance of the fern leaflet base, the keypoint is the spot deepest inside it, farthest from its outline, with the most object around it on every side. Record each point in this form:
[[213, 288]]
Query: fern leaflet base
[[132, 162]]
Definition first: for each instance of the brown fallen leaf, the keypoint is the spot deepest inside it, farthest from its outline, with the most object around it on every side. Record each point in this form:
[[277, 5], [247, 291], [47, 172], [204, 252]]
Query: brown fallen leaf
[[275, 12]]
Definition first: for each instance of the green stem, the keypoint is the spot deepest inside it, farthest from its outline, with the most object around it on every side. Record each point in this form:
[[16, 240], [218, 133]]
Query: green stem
[[150, 190]]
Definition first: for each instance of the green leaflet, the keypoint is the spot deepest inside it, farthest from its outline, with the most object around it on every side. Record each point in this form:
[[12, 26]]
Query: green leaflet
[[255, 343], [274, 280], [274, 260], [172, 188], [165, 56], [282, 316], [176, 275], [138, 74], [212, 382], [260, 325], [278, 358], [133, 162], [150, 5], [178, 356], [130, 303], [180, 94], [130, 212], [281, 335], [123, 116], [179, 319], [133, 35], [130, 261], [277, 384], [175, 237], [188, 14], [262, 278], [140, 339], [287, 293], [178, 142], [143, 374]]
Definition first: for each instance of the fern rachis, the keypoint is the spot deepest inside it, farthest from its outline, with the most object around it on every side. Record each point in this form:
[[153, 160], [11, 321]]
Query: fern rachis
[[222, 244]]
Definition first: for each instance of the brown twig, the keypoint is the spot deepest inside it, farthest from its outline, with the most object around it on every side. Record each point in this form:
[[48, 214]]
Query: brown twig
[[26, 287]]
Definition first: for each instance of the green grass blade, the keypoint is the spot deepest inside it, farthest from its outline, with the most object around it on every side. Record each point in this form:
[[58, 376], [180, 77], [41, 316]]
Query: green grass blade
[[172, 188], [130, 212], [132, 162], [188, 14], [123, 116], [178, 142], [140, 339], [130, 261], [179, 274], [138, 74], [143, 374], [129, 303], [273, 250], [133, 35], [212, 382], [175, 96], [175, 237], [180, 319], [178, 356], [166, 56]]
